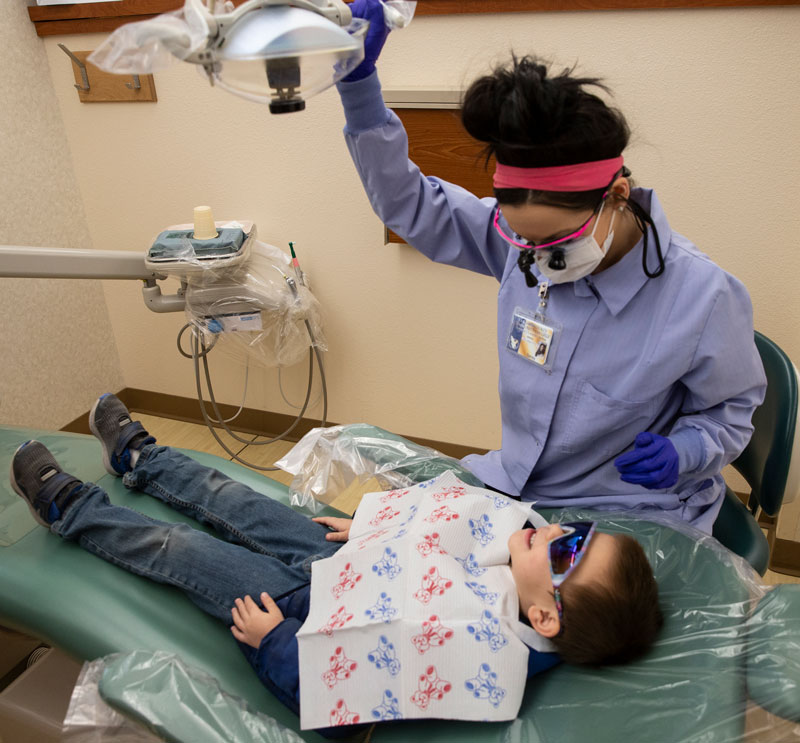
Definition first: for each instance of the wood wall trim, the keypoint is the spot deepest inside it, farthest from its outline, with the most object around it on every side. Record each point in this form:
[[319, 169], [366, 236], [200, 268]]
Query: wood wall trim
[[252, 421], [85, 25], [101, 10], [441, 147], [452, 7], [52, 20]]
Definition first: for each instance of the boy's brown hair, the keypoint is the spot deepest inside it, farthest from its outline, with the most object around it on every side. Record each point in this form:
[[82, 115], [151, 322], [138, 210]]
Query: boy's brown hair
[[614, 622]]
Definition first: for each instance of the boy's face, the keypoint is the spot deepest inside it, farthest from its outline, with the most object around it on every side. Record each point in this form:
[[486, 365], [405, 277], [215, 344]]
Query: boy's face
[[530, 568]]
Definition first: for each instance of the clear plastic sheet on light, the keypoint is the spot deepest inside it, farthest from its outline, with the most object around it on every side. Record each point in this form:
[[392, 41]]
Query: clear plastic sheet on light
[[257, 310], [328, 461], [144, 47], [397, 14], [169, 700]]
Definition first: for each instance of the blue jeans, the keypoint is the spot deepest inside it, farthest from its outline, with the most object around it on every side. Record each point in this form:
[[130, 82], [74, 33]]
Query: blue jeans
[[267, 546]]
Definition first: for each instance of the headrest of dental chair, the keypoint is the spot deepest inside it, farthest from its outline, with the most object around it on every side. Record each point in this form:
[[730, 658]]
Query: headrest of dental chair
[[773, 652]]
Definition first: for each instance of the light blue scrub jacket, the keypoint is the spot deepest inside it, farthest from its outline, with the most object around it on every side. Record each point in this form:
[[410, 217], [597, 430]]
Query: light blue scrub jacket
[[673, 355]]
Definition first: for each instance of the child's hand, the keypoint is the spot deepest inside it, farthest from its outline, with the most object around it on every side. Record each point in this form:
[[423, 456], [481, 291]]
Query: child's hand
[[341, 527], [250, 624]]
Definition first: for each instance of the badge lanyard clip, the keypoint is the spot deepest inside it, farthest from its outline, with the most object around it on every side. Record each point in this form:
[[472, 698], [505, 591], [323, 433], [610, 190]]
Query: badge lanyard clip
[[544, 288]]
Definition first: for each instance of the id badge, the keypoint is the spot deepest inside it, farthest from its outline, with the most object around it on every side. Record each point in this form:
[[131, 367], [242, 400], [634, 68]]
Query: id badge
[[532, 337]]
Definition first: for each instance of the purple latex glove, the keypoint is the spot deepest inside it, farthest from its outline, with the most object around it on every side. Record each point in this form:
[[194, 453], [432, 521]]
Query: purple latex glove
[[653, 462], [372, 10]]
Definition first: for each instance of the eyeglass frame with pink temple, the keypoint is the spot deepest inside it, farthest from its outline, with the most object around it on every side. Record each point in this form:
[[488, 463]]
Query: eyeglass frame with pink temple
[[527, 245]]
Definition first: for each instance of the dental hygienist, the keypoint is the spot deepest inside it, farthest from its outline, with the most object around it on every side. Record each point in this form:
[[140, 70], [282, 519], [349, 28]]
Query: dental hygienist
[[628, 369]]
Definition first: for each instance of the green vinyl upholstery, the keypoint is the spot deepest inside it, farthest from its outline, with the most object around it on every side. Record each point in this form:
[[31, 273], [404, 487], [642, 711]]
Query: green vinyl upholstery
[[773, 652], [690, 686]]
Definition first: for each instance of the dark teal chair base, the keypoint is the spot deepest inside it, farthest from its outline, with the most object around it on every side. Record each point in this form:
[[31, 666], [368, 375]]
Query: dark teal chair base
[[736, 528]]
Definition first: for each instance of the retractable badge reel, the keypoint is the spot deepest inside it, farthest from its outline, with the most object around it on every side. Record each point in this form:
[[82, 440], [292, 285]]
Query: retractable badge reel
[[532, 336]]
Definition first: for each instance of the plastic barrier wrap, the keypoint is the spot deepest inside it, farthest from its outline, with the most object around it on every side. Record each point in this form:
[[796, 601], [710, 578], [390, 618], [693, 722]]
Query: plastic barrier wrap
[[773, 654], [256, 310], [144, 47], [170, 701], [725, 668], [91, 720], [398, 13], [326, 462]]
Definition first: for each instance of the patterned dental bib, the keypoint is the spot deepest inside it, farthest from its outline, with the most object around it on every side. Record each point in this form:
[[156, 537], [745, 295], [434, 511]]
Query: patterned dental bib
[[416, 616]]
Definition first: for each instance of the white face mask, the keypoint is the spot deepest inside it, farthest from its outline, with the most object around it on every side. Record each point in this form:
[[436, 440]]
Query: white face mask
[[581, 256]]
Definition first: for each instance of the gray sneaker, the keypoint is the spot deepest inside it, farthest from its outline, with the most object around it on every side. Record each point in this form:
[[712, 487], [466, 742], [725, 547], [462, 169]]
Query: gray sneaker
[[111, 423], [38, 479]]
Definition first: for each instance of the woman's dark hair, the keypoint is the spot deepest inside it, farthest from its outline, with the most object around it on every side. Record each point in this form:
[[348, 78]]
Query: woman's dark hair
[[530, 119], [614, 622]]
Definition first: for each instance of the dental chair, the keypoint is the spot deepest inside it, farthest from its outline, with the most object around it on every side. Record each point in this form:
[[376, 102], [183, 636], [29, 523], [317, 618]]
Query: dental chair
[[728, 642], [770, 464]]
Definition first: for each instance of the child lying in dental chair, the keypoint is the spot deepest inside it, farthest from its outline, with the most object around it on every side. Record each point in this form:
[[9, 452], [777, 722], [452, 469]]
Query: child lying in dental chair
[[415, 605]]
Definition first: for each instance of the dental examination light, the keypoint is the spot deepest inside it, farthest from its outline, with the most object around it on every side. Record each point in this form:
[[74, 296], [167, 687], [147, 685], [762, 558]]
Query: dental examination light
[[280, 52], [242, 296]]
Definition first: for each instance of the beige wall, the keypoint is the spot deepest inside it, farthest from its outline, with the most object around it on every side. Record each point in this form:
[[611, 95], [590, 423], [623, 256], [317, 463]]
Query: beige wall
[[712, 98], [58, 349]]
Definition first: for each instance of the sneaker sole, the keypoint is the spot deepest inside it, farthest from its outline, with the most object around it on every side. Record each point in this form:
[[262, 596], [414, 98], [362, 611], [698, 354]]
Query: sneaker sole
[[21, 494], [106, 454]]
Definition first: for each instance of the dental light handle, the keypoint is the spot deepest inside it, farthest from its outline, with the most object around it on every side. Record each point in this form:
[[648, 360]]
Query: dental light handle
[[336, 11], [393, 17], [178, 43]]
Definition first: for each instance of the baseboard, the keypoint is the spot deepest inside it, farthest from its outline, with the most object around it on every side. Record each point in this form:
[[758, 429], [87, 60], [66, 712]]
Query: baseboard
[[784, 554], [250, 420], [785, 557]]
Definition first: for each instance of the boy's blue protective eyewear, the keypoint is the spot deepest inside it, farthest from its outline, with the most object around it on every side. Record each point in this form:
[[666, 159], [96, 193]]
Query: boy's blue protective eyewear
[[565, 553]]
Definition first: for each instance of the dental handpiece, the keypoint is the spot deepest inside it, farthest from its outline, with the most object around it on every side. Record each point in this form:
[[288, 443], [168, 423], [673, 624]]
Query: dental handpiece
[[289, 280]]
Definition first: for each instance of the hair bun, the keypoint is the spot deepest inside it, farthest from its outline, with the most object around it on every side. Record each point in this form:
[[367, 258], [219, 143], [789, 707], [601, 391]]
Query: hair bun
[[525, 114], [480, 105]]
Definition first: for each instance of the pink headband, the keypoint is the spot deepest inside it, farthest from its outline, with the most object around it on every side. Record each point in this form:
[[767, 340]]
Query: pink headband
[[580, 177]]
